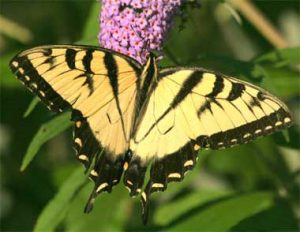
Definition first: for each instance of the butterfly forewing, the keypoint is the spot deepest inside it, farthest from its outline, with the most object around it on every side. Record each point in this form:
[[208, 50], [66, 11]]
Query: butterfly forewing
[[211, 109], [98, 83]]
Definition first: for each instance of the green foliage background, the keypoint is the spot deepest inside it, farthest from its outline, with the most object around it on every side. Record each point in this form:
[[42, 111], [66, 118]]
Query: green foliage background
[[253, 187]]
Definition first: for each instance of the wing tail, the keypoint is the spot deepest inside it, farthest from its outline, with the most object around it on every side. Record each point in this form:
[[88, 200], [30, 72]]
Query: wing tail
[[105, 174], [172, 168]]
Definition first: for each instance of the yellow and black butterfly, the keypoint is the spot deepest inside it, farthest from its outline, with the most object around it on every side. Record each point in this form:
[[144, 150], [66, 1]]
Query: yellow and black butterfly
[[128, 115]]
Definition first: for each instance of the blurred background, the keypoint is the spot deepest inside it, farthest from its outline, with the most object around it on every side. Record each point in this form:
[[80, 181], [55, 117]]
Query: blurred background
[[253, 187]]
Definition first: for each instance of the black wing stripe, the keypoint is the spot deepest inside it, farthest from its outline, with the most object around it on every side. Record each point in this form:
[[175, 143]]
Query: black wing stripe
[[188, 85], [112, 69], [47, 51], [193, 80], [218, 87], [70, 58], [237, 90], [86, 61], [144, 91], [203, 107], [247, 132], [34, 81]]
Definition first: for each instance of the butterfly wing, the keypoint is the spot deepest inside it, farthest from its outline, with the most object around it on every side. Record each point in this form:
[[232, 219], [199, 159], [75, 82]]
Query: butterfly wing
[[99, 86], [211, 109], [191, 108], [96, 82]]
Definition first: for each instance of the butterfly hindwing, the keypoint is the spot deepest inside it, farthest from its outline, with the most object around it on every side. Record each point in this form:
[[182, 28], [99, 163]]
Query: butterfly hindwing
[[171, 168], [85, 144]]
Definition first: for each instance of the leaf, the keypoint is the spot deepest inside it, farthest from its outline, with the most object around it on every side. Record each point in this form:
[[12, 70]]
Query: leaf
[[165, 215], [219, 214], [47, 131], [289, 138], [91, 28], [241, 165], [109, 213], [230, 66], [277, 218], [282, 82], [281, 57], [7, 77], [56, 209], [31, 107]]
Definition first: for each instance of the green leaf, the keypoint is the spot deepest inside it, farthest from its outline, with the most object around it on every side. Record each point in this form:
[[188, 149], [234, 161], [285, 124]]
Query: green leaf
[[241, 163], [277, 218], [109, 212], [7, 77], [219, 214], [91, 28], [281, 57], [165, 214], [47, 131], [56, 209], [229, 66], [282, 82], [289, 138], [31, 107]]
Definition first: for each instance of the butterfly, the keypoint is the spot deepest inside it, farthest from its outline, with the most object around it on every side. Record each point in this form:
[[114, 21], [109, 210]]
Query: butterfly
[[129, 116]]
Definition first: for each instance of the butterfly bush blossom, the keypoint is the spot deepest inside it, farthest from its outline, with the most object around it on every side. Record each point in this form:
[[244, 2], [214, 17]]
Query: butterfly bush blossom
[[135, 27]]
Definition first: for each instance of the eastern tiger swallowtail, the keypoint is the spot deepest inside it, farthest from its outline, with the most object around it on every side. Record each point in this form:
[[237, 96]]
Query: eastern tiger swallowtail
[[127, 114]]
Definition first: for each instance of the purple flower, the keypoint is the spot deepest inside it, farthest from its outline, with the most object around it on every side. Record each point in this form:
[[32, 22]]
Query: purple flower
[[134, 27]]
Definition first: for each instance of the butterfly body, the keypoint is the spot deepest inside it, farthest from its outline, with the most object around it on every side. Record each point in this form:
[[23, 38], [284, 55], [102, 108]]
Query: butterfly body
[[127, 114]]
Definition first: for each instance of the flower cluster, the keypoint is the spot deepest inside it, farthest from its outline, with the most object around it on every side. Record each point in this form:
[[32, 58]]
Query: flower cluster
[[134, 27]]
